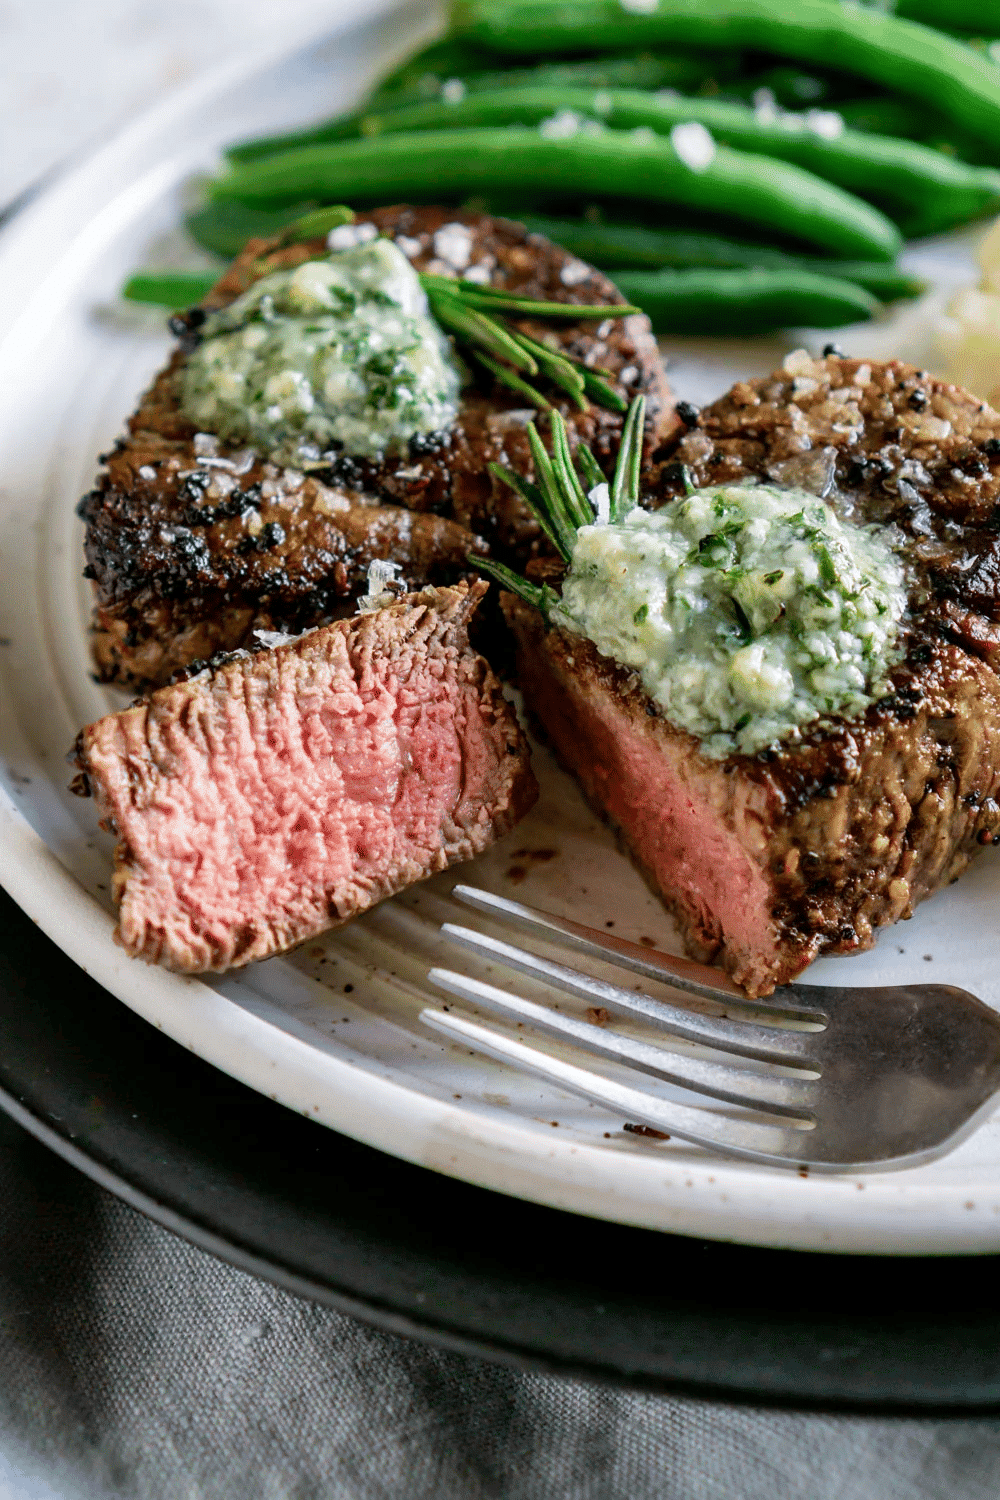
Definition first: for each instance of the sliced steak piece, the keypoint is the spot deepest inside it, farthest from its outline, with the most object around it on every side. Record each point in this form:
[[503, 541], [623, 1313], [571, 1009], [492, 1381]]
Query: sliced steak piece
[[191, 545], [285, 792], [770, 860]]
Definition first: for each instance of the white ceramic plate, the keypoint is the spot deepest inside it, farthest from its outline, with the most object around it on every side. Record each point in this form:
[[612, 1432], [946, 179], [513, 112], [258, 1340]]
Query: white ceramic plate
[[332, 1031]]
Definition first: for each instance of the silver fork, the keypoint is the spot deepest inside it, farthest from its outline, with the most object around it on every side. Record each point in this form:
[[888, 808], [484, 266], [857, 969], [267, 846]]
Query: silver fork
[[866, 1078]]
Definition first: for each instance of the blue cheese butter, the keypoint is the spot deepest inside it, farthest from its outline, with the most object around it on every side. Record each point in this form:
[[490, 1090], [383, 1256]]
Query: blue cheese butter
[[335, 355], [748, 611]]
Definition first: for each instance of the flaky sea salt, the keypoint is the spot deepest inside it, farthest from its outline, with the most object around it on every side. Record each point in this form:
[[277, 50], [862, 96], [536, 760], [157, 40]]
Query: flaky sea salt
[[694, 145], [453, 245], [346, 236], [561, 126], [600, 499]]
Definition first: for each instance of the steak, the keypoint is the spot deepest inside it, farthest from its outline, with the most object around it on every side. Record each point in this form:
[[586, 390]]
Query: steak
[[284, 792], [772, 859], [193, 545]]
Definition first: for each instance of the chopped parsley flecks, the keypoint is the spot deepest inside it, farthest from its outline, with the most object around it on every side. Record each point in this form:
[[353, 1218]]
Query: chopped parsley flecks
[[336, 355], [749, 611]]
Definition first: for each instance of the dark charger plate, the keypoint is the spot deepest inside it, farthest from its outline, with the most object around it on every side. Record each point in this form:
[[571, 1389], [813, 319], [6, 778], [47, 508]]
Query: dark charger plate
[[420, 1254]]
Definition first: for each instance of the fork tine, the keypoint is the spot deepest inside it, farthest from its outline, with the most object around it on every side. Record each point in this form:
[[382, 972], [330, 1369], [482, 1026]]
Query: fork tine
[[771, 1092], [668, 968], [774, 1144], [765, 1043]]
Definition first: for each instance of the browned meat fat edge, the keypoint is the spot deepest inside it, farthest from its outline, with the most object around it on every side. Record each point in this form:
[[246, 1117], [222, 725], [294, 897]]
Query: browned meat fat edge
[[769, 861], [181, 572], [286, 792]]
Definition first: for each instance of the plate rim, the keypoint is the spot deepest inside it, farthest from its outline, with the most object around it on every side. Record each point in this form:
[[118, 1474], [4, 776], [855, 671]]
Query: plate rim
[[80, 1107]]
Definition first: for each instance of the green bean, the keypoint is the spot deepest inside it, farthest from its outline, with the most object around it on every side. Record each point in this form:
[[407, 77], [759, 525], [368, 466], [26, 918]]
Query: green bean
[[885, 115], [759, 189], [897, 54], [627, 246], [612, 72], [224, 228], [880, 168], [170, 288], [448, 57], [744, 302], [317, 222], [959, 15]]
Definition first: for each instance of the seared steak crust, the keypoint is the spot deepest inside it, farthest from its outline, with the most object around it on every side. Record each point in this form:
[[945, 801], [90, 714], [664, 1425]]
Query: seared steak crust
[[286, 792], [186, 563], [809, 848]]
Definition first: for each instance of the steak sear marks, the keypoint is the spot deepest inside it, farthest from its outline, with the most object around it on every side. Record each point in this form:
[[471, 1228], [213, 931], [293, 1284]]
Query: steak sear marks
[[769, 861], [189, 555]]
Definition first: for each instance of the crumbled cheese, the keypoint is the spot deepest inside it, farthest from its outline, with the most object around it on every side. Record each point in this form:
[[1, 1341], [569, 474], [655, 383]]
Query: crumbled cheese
[[148, 473], [205, 444], [410, 247], [453, 244], [574, 272], [347, 236], [478, 275], [694, 145], [453, 91], [338, 352], [602, 102], [749, 611]]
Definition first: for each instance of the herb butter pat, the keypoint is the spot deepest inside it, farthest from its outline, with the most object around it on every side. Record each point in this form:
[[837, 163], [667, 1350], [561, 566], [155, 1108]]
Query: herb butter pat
[[748, 611], [336, 354]]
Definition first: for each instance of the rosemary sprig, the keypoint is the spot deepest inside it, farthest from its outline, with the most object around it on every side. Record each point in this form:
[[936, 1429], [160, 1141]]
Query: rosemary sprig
[[472, 313], [559, 501], [558, 368], [475, 328], [625, 486], [513, 382], [540, 596], [496, 299]]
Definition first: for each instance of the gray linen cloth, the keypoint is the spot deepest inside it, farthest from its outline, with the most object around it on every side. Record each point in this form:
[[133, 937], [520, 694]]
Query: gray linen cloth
[[135, 1365]]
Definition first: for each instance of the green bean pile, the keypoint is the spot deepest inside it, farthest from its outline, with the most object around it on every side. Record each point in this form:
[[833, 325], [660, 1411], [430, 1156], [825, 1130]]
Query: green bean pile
[[738, 165]]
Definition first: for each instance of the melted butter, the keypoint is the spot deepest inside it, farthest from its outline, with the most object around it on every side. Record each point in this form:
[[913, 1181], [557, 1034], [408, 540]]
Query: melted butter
[[748, 611], [336, 355]]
